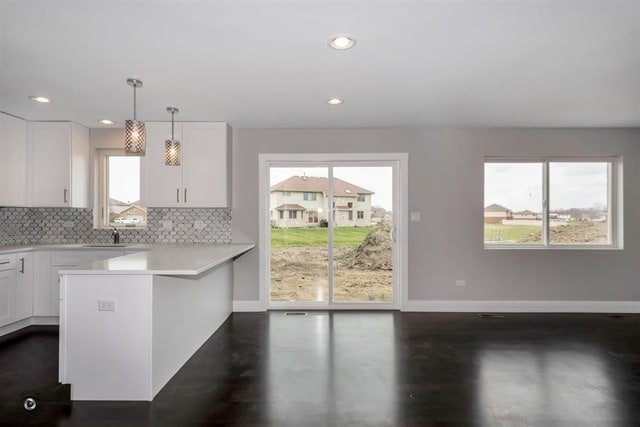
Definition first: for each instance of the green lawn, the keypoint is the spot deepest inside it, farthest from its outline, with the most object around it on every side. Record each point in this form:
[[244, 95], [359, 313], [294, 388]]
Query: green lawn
[[343, 236], [508, 233]]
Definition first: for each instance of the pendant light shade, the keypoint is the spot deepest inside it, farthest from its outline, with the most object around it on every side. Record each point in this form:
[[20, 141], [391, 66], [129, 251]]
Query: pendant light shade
[[172, 147], [135, 135]]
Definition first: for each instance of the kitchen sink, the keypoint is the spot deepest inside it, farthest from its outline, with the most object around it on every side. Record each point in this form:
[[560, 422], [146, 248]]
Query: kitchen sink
[[106, 245]]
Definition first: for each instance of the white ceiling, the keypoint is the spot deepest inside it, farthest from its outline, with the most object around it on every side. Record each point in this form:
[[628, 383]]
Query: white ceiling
[[267, 64]]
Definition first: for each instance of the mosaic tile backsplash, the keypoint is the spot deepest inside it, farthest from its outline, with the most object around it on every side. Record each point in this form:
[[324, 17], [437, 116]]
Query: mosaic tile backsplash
[[67, 225]]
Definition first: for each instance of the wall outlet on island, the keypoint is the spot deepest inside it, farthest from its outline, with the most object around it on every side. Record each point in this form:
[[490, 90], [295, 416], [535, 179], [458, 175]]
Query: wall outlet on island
[[106, 305], [460, 282]]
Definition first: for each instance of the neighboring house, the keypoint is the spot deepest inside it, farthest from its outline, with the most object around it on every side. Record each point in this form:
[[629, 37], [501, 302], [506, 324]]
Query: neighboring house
[[302, 201], [379, 215], [526, 214], [126, 213], [494, 214]]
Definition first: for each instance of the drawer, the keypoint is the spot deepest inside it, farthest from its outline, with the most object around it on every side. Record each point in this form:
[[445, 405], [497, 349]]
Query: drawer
[[7, 262]]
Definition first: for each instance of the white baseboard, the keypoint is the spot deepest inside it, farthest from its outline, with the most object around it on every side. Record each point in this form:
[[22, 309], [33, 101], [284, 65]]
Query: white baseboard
[[248, 306], [525, 306], [29, 321]]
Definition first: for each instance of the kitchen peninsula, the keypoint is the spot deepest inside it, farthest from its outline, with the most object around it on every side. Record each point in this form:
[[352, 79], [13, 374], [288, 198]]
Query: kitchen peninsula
[[128, 324]]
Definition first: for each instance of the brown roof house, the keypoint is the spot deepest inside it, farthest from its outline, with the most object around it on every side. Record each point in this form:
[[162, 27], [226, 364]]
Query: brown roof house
[[302, 201], [494, 214]]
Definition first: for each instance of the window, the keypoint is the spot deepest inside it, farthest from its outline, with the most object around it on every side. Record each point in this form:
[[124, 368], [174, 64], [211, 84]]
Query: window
[[119, 190], [350, 215], [281, 214], [550, 202], [313, 217], [286, 193], [309, 196], [360, 215], [293, 214], [349, 205], [361, 197]]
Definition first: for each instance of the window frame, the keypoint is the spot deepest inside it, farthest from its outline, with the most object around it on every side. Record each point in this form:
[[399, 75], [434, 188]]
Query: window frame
[[101, 201], [361, 197], [310, 196], [614, 202]]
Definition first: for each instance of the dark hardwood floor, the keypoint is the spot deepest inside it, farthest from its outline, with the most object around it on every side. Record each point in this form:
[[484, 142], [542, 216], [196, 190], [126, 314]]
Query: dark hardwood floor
[[364, 369]]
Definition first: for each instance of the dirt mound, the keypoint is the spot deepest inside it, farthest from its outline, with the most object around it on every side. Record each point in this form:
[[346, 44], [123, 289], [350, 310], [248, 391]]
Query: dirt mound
[[579, 232], [374, 253]]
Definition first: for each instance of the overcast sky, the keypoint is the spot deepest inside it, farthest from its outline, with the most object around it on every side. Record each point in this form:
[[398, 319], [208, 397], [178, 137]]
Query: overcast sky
[[376, 179], [518, 186], [124, 178]]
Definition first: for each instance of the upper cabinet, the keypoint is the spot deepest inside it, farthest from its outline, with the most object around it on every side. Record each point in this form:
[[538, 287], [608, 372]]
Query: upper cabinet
[[60, 165], [13, 161], [204, 178]]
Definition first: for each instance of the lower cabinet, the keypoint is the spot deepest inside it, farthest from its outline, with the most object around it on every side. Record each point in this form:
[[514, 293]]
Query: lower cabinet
[[6, 285], [46, 301], [23, 296], [16, 287]]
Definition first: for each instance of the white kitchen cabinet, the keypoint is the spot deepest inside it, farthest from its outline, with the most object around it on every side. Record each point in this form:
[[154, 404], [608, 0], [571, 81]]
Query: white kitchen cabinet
[[46, 300], [204, 178], [7, 287], [60, 165], [23, 295], [42, 284], [13, 161], [7, 277]]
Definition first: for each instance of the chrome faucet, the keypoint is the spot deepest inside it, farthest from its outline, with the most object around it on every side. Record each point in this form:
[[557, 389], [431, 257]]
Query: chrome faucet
[[116, 236]]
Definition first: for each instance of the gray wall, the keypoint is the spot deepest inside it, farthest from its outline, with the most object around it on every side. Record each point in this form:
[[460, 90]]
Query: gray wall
[[446, 186]]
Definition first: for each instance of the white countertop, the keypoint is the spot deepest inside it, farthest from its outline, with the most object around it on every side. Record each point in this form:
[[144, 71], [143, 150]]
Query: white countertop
[[171, 260]]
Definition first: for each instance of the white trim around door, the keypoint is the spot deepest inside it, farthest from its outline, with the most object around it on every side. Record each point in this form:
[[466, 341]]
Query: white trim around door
[[400, 162]]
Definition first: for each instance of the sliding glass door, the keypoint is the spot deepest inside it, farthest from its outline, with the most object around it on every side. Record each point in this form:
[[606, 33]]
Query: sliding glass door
[[332, 239]]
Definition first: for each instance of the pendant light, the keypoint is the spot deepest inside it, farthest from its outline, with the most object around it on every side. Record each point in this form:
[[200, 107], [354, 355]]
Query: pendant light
[[135, 138], [172, 148]]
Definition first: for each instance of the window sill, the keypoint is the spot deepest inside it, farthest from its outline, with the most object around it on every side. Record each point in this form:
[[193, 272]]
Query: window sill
[[554, 247]]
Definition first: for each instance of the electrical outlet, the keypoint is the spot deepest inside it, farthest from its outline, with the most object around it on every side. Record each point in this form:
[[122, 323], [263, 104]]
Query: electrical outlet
[[106, 306], [198, 224], [167, 224], [415, 217], [461, 283], [68, 224]]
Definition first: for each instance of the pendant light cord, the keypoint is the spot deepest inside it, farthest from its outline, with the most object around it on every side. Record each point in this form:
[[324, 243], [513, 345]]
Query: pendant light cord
[[172, 113], [134, 102]]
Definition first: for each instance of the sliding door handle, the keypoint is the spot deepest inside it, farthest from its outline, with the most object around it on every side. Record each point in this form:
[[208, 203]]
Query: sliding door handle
[[392, 234]]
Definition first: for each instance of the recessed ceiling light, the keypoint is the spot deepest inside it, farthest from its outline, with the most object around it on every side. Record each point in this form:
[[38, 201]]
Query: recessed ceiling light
[[106, 122], [342, 42], [334, 101], [40, 99]]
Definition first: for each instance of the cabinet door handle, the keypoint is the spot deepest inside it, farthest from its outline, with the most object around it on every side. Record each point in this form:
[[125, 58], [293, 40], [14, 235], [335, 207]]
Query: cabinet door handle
[[22, 265], [65, 195], [185, 195], [177, 195]]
